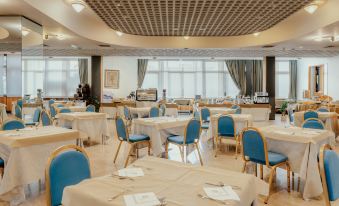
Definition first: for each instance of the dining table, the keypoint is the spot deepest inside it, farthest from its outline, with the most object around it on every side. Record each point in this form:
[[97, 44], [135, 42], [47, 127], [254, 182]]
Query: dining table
[[25, 153], [175, 183], [301, 146], [159, 128], [72, 108], [92, 125], [330, 120], [139, 111], [221, 110]]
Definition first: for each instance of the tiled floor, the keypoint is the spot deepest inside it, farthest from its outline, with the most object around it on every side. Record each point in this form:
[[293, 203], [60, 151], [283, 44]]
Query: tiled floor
[[101, 157]]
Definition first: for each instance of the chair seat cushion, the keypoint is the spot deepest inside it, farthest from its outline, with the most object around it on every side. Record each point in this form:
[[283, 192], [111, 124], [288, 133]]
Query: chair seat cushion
[[2, 163], [176, 139], [273, 158], [204, 126], [222, 135], [138, 137]]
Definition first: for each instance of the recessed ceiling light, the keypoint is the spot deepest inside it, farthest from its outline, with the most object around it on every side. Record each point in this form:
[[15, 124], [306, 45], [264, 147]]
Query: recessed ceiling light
[[186, 37], [78, 5], [25, 32], [318, 38], [311, 8], [60, 37], [256, 33], [119, 33], [3, 33]]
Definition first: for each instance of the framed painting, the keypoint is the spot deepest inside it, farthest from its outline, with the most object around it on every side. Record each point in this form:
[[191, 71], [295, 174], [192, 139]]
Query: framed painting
[[112, 79]]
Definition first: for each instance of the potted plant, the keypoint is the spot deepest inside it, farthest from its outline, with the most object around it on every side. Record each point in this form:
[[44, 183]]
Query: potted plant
[[283, 110]]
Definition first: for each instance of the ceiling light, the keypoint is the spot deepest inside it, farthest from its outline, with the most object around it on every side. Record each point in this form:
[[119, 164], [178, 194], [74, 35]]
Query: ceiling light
[[3, 33], [186, 37], [256, 33], [119, 33], [24, 32], [60, 37], [311, 8], [319, 38], [78, 6]]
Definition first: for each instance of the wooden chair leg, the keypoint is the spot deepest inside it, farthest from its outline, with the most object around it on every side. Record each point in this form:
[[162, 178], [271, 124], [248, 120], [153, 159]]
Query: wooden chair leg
[[216, 147], [197, 145], [236, 149], [288, 177], [244, 167], [261, 172], [166, 150], [117, 152], [129, 153], [270, 181], [292, 180], [256, 170], [149, 148]]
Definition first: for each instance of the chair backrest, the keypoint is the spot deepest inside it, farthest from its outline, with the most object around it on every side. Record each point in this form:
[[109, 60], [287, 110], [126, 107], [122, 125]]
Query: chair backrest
[[226, 126], [13, 125], [192, 131], [205, 114], [154, 112], [254, 146], [65, 110], [163, 109], [290, 115], [126, 113], [46, 120], [313, 123], [323, 109], [90, 108], [60, 105], [52, 111], [19, 102], [121, 129], [329, 171], [310, 114], [36, 115], [50, 102], [18, 112], [68, 165], [237, 109]]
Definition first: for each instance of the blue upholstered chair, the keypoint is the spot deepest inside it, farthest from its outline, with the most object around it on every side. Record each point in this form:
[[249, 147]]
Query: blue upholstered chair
[[19, 102], [18, 112], [313, 123], [226, 130], [128, 117], [13, 124], [323, 109], [290, 115], [237, 109], [310, 114], [154, 112], [329, 172], [52, 111], [45, 119], [132, 139], [51, 102], [191, 136], [90, 108], [60, 105], [36, 118], [205, 116], [65, 110], [68, 165], [254, 149]]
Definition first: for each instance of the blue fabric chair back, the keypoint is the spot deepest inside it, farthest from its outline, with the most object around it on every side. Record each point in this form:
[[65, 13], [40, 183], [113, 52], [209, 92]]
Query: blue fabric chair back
[[331, 168], [323, 109], [90, 108], [13, 125], [121, 128], [310, 114], [53, 112], [154, 112], [237, 109], [205, 114], [60, 105], [19, 103], [196, 115], [253, 146], [50, 102], [126, 113], [313, 123], [192, 131], [18, 112], [36, 115], [46, 121], [65, 169], [290, 115], [226, 126], [65, 110]]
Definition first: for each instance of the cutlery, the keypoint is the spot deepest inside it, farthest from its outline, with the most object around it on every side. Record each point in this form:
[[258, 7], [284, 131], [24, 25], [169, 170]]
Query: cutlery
[[115, 196], [208, 198], [122, 177], [147, 168], [221, 184]]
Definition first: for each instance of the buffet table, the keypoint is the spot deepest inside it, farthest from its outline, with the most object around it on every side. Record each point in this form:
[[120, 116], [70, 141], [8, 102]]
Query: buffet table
[[178, 183]]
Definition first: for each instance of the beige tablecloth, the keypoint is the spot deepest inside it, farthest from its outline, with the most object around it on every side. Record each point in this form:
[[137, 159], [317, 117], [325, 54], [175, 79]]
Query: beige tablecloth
[[139, 111], [329, 119], [26, 155], [93, 124], [301, 146], [178, 183], [159, 129], [221, 110], [72, 108]]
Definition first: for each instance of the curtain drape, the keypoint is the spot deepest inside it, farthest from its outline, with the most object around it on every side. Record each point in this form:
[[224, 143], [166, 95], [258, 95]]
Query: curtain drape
[[293, 79], [83, 70], [257, 76], [142, 68], [237, 70]]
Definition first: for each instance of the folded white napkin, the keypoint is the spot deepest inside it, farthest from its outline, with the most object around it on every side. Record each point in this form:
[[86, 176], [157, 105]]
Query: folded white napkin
[[131, 172], [141, 199], [221, 193]]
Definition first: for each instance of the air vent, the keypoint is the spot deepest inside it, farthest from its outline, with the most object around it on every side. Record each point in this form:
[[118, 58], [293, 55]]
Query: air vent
[[104, 45], [45, 45], [329, 46], [268, 46]]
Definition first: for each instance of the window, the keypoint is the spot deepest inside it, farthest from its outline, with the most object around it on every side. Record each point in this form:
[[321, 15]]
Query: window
[[187, 78], [282, 79], [56, 77]]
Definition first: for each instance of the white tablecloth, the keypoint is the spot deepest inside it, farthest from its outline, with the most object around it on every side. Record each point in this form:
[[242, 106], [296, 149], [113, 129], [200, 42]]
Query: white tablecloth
[[329, 119], [259, 114], [241, 121], [3, 113], [139, 111], [221, 110], [93, 124], [159, 129], [173, 112], [72, 108], [26, 156], [178, 183], [301, 146]]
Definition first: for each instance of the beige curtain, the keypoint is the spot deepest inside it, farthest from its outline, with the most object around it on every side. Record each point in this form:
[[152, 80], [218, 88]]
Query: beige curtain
[[257, 76], [142, 68], [237, 70], [83, 70], [293, 79]]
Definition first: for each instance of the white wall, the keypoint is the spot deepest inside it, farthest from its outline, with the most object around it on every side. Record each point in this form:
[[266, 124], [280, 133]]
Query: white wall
[[128, 67]]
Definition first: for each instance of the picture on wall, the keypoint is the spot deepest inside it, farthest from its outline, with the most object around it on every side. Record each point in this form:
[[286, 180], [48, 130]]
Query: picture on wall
[[112, 79]]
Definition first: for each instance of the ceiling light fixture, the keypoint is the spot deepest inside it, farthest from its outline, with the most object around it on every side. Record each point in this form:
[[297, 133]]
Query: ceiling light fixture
[[119, 33], [78, 5], [256, 33], [25, 32], [3, 33], [186, 37], [311, 8], [60, 37]]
